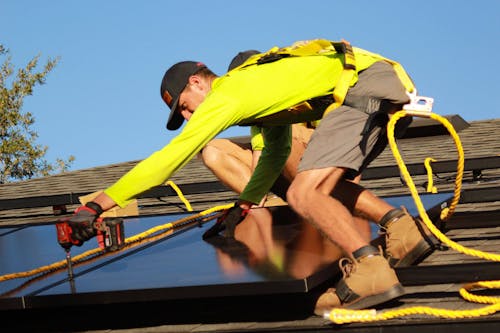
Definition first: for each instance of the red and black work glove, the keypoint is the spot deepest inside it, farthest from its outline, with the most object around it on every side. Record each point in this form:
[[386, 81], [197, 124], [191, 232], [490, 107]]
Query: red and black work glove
[[227, 222], [82, 222]]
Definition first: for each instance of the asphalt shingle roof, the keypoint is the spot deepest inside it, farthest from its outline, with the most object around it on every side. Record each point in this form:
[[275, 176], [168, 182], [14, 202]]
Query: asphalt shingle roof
[[480, 140]]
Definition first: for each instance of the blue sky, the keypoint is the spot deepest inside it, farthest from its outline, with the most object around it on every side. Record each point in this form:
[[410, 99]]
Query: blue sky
[[102, 102]]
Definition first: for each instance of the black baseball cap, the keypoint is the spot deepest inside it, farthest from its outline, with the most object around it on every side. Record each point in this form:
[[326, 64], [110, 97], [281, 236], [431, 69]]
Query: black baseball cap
[[241, 57], [174, 81]]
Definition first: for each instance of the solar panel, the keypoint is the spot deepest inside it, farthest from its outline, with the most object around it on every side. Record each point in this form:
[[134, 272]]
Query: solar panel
[[275, 253]]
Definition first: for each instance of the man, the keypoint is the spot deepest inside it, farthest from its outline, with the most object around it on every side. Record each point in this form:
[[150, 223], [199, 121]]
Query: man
[[264, 91], [233, 162]]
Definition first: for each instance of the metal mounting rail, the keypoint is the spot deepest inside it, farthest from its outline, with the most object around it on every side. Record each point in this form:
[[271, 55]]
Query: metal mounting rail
[[474, 164], [480, 163]]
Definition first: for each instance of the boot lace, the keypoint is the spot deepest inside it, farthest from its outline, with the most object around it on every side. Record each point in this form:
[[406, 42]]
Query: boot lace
[[347, 266]]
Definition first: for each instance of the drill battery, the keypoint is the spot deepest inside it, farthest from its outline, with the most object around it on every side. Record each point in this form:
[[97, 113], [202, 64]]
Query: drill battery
[[109, 231]]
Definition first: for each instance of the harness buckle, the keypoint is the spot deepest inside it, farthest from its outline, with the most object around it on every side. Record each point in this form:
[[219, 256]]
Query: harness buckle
[[419, 104]]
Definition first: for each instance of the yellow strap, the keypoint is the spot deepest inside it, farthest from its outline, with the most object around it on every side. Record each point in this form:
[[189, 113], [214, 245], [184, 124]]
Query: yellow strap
[[308, 47], [346, 77], [402, 75], [349, 71], [319, 46]]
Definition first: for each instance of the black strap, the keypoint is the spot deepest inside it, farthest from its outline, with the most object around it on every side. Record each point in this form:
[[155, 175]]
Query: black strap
[[346, 49], [344, 293], [367, 104], [365, 251], [95, 206], [271, 57], [393, 214]]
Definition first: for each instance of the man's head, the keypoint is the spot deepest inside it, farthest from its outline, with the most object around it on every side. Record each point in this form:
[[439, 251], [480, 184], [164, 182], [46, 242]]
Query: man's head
[[185, 85], [183, 88]]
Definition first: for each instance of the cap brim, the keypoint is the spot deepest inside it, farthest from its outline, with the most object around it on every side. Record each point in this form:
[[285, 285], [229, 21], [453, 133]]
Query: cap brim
[[175, 120]]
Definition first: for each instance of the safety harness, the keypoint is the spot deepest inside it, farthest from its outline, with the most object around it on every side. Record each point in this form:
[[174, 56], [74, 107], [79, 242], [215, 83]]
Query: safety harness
[[348, 75]]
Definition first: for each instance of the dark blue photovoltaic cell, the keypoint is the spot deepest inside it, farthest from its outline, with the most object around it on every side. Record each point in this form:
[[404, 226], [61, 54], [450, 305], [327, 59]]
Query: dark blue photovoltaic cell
[[275, 252], [185, 260], [36, 246]]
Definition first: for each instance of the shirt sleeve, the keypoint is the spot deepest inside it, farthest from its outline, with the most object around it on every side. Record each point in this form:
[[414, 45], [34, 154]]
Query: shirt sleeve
[[277, 146], [208, 121], [256, 141]]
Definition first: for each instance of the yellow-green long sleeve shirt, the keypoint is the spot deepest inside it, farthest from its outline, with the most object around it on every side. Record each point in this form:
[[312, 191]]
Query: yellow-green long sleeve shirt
[[245, 96]]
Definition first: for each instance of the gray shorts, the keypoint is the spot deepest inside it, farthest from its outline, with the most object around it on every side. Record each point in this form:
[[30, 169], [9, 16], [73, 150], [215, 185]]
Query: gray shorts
[[348, 137]]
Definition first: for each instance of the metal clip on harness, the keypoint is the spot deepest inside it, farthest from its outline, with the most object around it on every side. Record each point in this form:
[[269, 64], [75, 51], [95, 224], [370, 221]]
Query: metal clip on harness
[[419, 105]]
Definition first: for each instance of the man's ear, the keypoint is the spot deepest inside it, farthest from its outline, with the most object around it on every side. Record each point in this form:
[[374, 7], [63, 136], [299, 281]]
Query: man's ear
[[186, 114], [194, 80], [198, 83]]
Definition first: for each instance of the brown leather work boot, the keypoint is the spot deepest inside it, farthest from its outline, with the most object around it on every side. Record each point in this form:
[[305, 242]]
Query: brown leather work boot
[[366, 282], [408, 241]]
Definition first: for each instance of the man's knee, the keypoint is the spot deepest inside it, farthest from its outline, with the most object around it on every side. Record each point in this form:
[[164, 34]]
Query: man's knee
[[297, 196], [309, 184], [211, 154]]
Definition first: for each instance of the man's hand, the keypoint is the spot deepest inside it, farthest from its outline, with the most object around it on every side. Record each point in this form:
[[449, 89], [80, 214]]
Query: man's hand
[[227, 222], [82, 222]]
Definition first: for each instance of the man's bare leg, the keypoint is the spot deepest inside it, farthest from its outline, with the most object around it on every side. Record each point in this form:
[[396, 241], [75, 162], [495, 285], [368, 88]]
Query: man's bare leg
[[300, 137], [372, 281], [231, 163], [405, 240], [309, 195], [361, 220]]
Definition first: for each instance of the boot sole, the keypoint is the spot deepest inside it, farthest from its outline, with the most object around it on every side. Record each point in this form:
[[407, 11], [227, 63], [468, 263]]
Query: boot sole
[[417, 254], [394, 292]]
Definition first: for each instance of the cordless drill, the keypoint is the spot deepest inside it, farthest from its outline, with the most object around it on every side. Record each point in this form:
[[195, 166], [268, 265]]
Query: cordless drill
[[110, 234], [110, 237]]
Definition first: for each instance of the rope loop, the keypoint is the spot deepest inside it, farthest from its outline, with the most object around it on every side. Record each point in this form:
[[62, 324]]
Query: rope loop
[[342, 316]]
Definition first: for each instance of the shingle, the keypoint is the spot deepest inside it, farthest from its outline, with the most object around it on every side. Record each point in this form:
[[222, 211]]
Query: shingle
[[481, 139]]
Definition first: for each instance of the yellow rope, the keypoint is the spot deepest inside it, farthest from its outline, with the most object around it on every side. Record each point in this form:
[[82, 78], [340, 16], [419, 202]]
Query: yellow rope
[[129, 240], [430, 181], [416, 197], [344, 316], [41, 269], [341, 316], [180, 195]]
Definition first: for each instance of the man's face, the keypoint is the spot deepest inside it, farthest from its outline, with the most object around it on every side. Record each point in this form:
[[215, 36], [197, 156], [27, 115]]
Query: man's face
[[192, 96]]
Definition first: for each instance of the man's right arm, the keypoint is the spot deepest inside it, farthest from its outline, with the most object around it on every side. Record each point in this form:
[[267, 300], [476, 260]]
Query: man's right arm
[[277, 146], [204, 125]]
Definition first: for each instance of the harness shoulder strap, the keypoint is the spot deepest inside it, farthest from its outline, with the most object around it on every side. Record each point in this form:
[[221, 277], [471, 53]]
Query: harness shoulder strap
[[346, 76]]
